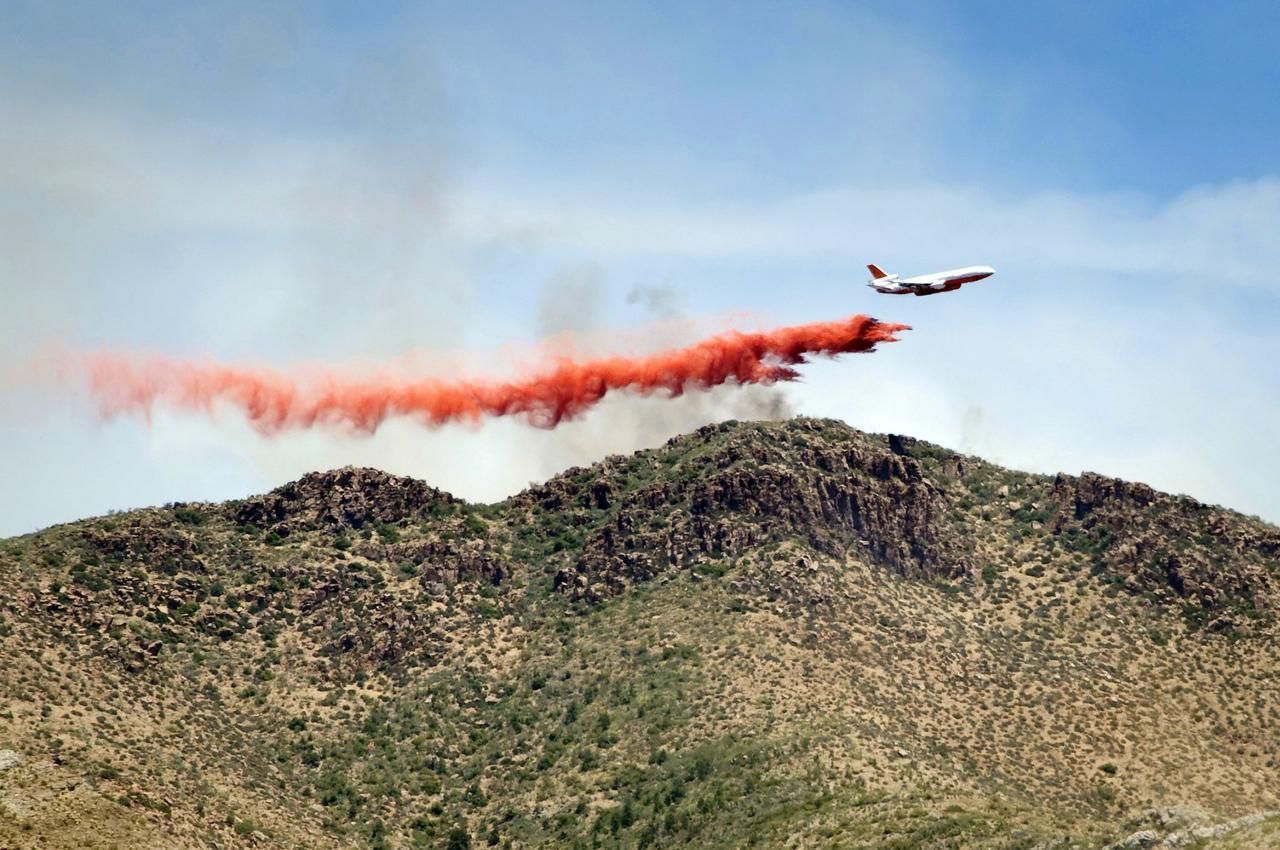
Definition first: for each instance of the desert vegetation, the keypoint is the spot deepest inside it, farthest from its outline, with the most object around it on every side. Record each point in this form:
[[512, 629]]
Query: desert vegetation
[[775, 635]]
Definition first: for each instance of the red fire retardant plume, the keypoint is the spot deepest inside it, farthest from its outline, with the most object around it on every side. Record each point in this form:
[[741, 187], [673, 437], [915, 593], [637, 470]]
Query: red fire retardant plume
[[273, 401]]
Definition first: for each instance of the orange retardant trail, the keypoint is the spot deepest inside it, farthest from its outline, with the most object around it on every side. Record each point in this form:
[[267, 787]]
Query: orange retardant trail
[[273, 401]]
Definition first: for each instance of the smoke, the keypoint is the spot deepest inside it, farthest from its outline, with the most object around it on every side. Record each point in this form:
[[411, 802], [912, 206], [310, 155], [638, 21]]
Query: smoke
[[576, 314], [561, 390], [659, 299], [570, 303], [768, 402], [971, 428]]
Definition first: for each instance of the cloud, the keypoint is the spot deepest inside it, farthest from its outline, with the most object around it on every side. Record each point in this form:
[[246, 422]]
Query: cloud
[[124, 219], [1222, 231]]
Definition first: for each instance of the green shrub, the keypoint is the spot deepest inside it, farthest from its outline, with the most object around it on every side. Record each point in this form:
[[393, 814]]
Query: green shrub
[[188, 516]]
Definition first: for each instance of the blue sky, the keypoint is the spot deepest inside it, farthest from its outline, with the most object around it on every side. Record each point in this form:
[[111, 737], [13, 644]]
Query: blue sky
[[306, 182]]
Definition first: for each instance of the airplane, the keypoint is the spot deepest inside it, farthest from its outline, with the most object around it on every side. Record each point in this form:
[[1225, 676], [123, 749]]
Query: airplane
[[926, 284]]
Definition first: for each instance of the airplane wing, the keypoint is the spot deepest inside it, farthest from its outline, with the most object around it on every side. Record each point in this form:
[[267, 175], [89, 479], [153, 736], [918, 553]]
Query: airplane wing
[[936, 288]]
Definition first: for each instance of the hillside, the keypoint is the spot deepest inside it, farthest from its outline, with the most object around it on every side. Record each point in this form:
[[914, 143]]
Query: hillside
[[760, 634]]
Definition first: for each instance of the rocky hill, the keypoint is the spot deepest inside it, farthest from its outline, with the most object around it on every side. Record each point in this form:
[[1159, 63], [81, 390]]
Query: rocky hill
[[776, 635]]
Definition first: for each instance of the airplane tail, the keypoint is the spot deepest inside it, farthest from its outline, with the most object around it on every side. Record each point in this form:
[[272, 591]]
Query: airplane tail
[[876, 272]]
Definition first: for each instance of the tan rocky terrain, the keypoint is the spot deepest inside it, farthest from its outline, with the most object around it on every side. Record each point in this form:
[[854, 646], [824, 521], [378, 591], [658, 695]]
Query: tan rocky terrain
[[776, 635]]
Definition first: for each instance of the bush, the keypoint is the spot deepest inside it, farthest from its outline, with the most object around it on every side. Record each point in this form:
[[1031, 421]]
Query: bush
[[187, 516]]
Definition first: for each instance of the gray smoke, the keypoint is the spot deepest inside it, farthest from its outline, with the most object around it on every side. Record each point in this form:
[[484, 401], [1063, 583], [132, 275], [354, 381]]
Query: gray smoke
[[574, 301], [971, 428], [660, 299]]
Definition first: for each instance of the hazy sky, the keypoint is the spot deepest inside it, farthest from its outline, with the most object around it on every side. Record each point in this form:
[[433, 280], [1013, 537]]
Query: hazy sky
[[294, 183]]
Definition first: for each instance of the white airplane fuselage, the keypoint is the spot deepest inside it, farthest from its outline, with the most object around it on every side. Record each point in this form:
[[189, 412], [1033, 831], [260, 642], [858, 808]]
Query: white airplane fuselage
[[926, 284]]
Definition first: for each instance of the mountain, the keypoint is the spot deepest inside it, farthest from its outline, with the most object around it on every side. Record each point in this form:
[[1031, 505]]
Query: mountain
[[760, 634]]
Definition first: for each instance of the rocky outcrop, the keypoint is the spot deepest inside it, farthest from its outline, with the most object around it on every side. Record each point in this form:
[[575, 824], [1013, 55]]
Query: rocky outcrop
[[1083, 495], [347, 498], [384, 635], [1226, 571], [1190, 836], [1198, 835], [146, 538], [449, 561], [832, 495]]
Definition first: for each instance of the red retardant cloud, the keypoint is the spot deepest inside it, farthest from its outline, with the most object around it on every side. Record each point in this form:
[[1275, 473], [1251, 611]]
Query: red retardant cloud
[[274, 401]]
